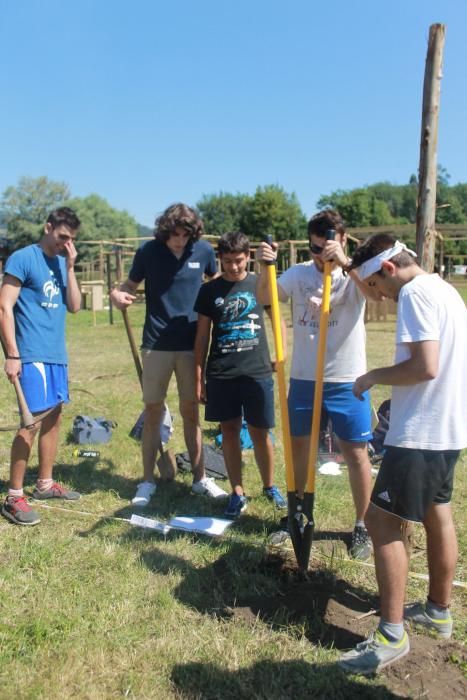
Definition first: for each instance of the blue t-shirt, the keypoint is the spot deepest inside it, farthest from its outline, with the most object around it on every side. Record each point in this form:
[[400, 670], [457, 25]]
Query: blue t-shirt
[[171, 287], [40, 309]]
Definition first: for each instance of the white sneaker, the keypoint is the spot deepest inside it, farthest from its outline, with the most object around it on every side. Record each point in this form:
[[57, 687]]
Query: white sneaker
[[208, 487], [143, 494]]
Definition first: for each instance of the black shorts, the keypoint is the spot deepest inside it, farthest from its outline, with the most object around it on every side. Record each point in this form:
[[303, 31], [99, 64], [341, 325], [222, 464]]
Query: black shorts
[[410, 480], [228, 399]]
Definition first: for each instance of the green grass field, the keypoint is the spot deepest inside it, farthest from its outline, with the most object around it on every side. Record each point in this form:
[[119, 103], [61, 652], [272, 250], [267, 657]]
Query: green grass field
[[92, 607]]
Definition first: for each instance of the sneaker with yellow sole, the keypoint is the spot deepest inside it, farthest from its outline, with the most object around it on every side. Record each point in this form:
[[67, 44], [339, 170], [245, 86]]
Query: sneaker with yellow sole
[[373, 654]]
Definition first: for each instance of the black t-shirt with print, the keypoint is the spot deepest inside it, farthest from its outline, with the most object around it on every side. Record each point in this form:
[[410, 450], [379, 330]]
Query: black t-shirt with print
[[238, 341]]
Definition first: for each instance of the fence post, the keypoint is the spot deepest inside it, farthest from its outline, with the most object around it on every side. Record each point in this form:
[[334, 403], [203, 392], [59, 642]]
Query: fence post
[[427, 173]]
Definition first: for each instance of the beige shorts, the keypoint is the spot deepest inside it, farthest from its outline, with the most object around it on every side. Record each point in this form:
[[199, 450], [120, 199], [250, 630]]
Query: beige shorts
[[158, 367]]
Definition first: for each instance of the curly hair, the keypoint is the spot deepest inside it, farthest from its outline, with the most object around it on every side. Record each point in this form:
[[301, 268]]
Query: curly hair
[[178, 216]]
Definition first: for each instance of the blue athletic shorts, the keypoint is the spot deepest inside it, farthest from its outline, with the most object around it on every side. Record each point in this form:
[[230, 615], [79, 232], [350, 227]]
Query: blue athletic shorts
[[351, 417], [44, 385], [229, 398]]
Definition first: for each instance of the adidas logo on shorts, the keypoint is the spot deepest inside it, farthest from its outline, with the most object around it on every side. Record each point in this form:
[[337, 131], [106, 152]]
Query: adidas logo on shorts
[[384, 496]]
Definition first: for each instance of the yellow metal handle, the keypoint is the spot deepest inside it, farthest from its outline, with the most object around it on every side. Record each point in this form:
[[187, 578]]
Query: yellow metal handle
[[281, 383], [318, 399]]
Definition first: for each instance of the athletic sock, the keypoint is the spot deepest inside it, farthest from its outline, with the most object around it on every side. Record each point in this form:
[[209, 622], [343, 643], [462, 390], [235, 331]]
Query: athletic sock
[[44, 484], [392, 631], [360, 523], [15, 493], [437, 612]]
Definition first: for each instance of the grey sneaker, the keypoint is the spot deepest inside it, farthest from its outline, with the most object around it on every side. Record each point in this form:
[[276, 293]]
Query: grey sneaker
[[18, 510], [373, 654], [360, 547], [416, 615], [56, 491]]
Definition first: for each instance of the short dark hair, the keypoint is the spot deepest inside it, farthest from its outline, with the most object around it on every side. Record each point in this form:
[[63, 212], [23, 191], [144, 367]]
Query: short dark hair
[[64, 216], [178, 216], [374, 246], [320, 223], [233, 242]]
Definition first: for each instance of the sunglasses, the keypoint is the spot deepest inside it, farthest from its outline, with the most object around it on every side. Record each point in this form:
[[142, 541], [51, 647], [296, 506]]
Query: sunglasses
[[316, 249]]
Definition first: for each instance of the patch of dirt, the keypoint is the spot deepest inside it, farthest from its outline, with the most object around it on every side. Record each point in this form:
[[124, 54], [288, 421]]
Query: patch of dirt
[[336, 614]]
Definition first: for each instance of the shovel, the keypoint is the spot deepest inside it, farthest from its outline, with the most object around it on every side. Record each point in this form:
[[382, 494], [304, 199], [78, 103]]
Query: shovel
[[280, 371], [301, 523]]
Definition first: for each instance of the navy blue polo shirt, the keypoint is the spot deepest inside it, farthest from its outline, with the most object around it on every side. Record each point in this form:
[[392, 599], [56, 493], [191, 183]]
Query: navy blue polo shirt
[[171, 288]]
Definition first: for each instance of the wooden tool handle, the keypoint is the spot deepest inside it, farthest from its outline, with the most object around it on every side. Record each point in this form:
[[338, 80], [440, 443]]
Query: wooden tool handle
[[26, 416]]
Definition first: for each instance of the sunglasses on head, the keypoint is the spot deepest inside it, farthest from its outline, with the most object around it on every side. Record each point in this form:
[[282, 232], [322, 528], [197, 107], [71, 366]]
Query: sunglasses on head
[[316, 249]]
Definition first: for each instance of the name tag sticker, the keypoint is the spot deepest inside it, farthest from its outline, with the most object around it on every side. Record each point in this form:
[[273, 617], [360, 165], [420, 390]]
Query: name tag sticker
[[194, 265]]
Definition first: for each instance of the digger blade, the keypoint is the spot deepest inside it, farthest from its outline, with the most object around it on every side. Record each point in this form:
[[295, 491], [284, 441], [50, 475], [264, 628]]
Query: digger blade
[[301, 527]]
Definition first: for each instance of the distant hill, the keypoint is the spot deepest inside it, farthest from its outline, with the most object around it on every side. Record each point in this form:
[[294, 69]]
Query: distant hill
[[144, 231]]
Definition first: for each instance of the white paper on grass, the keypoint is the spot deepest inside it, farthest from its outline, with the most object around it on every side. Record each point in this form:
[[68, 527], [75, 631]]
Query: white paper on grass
[[330, 469], [150, 524], [205, 526]]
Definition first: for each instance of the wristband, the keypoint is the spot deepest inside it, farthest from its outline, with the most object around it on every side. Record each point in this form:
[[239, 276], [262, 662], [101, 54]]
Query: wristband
[[12, 357]]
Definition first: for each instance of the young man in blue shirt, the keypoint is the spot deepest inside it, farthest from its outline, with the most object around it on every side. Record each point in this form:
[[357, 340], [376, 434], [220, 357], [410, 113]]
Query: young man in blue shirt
[[39, 287], [172, 267]]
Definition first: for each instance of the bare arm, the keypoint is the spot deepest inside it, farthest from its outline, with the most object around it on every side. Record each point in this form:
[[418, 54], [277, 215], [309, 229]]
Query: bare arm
[[124, 295], [420, 367], [370, 293], [333, 251], [283, 337], [73, 292], [264, 255], [8, 296], [203, 337]]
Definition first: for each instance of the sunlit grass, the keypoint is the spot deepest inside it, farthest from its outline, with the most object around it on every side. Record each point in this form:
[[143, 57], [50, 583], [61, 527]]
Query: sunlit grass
[[93, 608]]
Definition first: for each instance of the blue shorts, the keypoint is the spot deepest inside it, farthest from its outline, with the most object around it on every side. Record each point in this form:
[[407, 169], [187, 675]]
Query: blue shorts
[[44, 385], [228, 399], [351, 417]]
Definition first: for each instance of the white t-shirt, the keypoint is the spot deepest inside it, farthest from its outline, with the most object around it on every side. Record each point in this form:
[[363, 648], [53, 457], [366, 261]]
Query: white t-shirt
[[431, 415], [345, 347]]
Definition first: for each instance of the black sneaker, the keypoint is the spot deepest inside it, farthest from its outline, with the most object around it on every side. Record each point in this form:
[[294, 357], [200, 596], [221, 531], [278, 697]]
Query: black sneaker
[[361, 546]]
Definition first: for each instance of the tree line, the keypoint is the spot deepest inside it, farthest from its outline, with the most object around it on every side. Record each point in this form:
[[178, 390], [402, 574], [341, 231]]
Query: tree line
[[270, 210]]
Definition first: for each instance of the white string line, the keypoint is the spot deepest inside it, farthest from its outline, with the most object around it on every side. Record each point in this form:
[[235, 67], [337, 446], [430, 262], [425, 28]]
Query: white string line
[[412, 574]]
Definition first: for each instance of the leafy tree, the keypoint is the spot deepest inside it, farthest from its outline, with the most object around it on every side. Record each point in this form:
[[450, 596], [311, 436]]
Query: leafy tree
[[443, 176], [359, 207], [100, 221], [273, 211], [145, 231], [223, 212], [460, 191], [27, 205]]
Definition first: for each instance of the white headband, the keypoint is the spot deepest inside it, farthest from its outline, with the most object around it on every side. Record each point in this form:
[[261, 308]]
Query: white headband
[[375, 264]]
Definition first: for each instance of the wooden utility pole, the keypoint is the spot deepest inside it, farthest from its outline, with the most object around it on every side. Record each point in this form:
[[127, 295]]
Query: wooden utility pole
[[427, 172], [109, 286]]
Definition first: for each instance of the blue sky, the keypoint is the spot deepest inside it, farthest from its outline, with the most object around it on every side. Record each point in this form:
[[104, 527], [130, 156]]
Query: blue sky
[[149, 102]]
